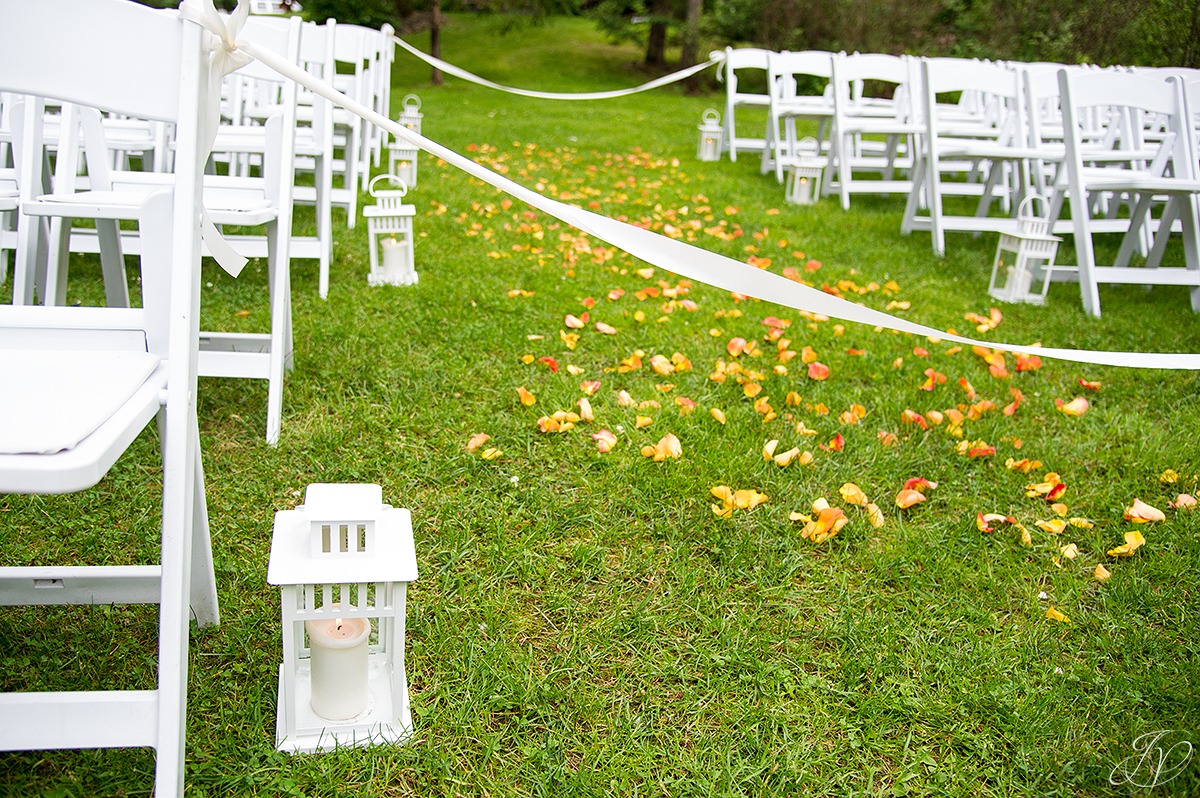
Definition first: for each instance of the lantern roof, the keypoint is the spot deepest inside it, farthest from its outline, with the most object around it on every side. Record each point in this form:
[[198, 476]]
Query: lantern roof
[[391, 557]]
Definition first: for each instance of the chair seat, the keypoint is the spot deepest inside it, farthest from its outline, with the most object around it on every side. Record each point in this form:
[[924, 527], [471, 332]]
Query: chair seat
[[55, 399]]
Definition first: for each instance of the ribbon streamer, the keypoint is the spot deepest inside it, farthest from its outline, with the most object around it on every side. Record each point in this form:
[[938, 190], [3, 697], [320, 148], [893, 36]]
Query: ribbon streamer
[[696, 263], [223, 57], [665, 80]]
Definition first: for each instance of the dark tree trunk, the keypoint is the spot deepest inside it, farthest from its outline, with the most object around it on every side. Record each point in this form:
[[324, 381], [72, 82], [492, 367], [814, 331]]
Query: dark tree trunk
[[656, 42], [435, 39], [691, 41]]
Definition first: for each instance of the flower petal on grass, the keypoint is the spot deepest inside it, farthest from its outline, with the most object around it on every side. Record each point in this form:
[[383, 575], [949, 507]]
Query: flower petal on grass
[[1069, 551], [1184, 501], [984, 521], [642, 421], [585, 410], [477, 440], [1074, 408], [667, 448], [908, 497], [1142, 513], [853, 494], [605, 440], [874, 515], [818, 371], [1054, 526], [605, 329], [527, 398], [717, 413], [1101, 573], [1134, 540], [575, 322], [589, 387], [1054, 615], [490, 454], [785, 459]]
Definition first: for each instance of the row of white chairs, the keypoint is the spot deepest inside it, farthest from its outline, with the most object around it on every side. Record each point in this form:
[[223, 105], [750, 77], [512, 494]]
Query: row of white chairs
[[275, 149], [125, 139], [995, 133]]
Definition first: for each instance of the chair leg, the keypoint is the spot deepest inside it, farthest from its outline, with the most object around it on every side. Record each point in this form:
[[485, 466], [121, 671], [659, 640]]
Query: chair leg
[[173, 615], [280, 348], [323, 181], [112, 262], [203, 598]]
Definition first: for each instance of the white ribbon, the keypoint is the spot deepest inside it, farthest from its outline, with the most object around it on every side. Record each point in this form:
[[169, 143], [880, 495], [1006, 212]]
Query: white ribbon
[[696, 263], [665, 80], [223, 57]]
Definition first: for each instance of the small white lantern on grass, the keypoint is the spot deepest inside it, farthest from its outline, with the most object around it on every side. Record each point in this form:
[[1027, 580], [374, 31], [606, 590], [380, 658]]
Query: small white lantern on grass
[[1025, 255], [342, 561], [410, 113], [804, 173], [712, 136], [390, 228], [402, 162]]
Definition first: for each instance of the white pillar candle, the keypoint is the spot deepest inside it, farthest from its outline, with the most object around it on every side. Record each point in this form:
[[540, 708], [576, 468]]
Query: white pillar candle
[[394, 265], [340, 688]]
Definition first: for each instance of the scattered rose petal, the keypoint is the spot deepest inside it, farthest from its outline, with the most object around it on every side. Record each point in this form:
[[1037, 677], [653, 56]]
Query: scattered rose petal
[[685, 405], [908, 497], [1101, 573], [477, 440], [1134, 540], [785, 459], [717, 413], [1142, 513], [1054, 526], [589, 387], [575, 322], [585, 410], [1183, 501], [818, 371], [605, 440], [667, 448], [1054, 615], [490, 454], [550, 363], [1069, 551], [1074, 408], [624, 399], [1090, 385], [984, 521], [527, 398], [853, 494], [642, 421], [606, 329], [574, 370], [874, 515]]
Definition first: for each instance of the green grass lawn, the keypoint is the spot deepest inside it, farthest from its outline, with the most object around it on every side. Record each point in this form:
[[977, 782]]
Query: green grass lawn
[[584, 623]]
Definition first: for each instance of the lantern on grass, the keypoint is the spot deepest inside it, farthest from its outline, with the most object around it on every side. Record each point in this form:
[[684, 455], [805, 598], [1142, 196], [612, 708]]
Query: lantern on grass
[[804, 173], [410, 113], [342, 561], [402, 162], [390, 228], [1025, 257], [712, 136]]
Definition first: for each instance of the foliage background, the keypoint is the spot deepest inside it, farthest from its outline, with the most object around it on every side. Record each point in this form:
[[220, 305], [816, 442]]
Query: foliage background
[[1144, 32]]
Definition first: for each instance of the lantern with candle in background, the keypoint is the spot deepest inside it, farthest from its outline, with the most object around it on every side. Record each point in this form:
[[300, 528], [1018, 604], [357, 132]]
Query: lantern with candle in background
[[804, 173], [342, 561], [708, 148], [1024, 255], [390, 229]]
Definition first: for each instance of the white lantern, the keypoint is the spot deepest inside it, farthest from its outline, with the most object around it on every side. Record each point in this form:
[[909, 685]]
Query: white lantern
[[402, 162], [711, 136], [410, 113], [1025, 256], [342, 561], [804, 173], [390, 228]]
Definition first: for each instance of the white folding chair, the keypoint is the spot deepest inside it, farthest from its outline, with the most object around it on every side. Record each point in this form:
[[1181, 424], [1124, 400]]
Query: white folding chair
[[742, 59], [787, 74], [112, 196], [982, 142], [871, 134], [81, 383], [1151, 171]]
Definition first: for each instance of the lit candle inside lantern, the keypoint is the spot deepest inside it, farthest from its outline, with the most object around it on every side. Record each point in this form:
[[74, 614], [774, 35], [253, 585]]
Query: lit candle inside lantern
[[340, 687], [394, 265], [804, 192]]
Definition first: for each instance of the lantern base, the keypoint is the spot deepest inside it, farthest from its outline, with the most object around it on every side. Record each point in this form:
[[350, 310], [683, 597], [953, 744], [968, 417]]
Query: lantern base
[[380, 278], [377, 725]]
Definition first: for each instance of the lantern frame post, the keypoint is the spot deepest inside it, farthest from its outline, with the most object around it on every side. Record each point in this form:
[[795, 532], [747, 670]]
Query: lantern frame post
[[359, 571]]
